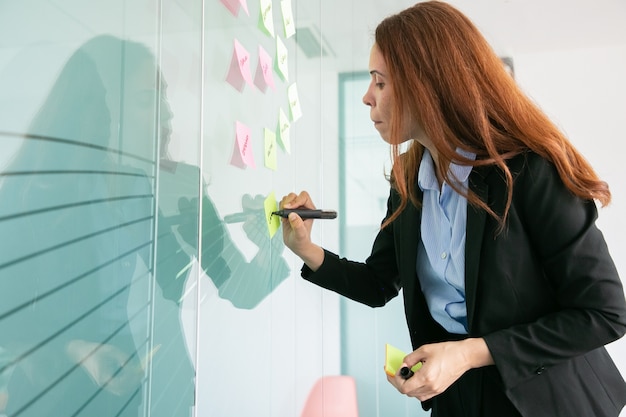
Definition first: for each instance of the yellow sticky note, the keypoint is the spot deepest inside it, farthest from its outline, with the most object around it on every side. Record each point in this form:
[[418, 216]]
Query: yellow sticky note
[[270, 148], [273, 222], [394, 358]]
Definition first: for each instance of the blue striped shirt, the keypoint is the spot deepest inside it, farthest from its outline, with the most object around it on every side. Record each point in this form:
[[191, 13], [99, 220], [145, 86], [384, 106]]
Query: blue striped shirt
[[441, 250]]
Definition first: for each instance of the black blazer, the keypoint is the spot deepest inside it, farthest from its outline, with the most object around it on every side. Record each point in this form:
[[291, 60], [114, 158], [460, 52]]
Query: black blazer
[[544, 293]]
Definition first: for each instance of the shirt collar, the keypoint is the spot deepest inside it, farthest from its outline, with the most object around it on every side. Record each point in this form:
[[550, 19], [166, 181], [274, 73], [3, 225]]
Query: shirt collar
[[426, 177]]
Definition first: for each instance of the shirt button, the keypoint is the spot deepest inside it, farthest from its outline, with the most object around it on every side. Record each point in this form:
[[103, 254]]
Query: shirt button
[[444, 255]]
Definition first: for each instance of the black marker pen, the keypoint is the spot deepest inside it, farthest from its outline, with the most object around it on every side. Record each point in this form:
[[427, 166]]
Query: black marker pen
[[405, 372], [307, 213]]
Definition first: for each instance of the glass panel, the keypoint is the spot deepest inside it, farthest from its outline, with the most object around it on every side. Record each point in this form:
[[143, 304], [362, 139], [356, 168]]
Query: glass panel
[[261, 131], [87, 189], [78, 212]]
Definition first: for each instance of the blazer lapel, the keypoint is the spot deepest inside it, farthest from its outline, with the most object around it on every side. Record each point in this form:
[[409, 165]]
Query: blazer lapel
[[410, 236], [474, 237]]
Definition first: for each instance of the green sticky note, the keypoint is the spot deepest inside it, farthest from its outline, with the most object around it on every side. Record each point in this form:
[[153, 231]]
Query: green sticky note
[[294, 102], [270, 148], [273, 222], [283, 131], [393, 360], [288, 22], [266, 17], [281, 62]]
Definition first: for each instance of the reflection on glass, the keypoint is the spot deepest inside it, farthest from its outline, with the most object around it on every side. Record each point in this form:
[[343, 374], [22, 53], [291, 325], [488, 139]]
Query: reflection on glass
[[88, 218], [79, 222]]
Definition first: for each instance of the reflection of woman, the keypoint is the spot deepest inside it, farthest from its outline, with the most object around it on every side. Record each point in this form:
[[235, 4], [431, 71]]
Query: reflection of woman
[[510, 292], [82, 214], [78, 223]]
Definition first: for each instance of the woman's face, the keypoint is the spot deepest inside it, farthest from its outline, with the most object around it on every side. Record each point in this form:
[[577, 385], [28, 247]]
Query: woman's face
[[140, 124], [379, 97]]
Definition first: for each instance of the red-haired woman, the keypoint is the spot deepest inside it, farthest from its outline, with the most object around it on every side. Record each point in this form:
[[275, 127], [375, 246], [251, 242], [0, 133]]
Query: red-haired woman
[[510, 292]]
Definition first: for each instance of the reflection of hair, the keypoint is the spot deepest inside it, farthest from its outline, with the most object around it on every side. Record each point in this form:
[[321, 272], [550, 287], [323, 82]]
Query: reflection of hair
[[85, 106], [445, 74], [70, 127], [118, 61], [76, 108], [78, 123]]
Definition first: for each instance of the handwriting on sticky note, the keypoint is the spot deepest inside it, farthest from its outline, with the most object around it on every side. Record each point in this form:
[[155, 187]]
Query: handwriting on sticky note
[[281, 61], [234, 5], [242, 153], [270, 149], [273, 222], [266, 17], [294, 102], [264, 75], [288, 23], [283, 131], [239, 72]]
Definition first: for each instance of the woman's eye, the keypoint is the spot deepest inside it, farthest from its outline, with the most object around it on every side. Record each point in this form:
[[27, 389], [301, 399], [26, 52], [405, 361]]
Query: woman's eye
[[380, 85]]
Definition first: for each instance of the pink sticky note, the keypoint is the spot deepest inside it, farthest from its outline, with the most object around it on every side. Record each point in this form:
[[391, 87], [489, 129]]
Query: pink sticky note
[[264, 75], [242, 154], [233, 6], [239, 72]]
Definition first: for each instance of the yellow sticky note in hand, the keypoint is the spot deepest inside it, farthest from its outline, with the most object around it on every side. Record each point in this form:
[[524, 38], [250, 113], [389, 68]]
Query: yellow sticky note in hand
[[394, 358]]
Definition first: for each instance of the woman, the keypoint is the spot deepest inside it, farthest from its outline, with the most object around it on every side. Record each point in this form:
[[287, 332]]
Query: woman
[[510, 293]]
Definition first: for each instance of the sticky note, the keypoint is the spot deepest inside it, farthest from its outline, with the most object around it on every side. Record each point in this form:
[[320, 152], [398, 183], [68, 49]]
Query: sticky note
[[266, 18], [242, 154], [273, 222], [239, 72], [281, 62], [264, 75], [294, 102], [394, 358], [288, 23], [270, 148], [283, 131], [234, 5]]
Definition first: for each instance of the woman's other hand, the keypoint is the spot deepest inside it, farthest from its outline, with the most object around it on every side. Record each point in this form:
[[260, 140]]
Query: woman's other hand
[[442, 364]]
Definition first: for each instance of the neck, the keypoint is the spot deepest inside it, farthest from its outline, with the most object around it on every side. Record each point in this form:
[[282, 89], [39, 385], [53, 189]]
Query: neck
[[435, 157]]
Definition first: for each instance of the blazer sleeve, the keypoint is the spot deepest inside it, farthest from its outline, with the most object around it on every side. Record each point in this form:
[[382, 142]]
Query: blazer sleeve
[[583, 306], [373, 282]]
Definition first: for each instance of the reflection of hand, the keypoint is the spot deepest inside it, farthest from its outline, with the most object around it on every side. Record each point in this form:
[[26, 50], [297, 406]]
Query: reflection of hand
[[255, 225], [107, 366]]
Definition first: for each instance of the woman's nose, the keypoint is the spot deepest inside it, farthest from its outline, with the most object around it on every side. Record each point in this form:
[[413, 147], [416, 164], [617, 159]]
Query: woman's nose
[[367, 99]]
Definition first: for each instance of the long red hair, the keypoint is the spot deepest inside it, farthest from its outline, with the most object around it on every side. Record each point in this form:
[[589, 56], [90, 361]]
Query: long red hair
[[446, 75]]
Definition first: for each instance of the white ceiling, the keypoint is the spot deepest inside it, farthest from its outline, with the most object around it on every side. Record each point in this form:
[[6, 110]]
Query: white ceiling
[[511, 26]]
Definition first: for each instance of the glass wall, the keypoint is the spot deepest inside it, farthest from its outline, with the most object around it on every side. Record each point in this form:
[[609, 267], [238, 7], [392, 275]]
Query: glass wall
[[144, 145]]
